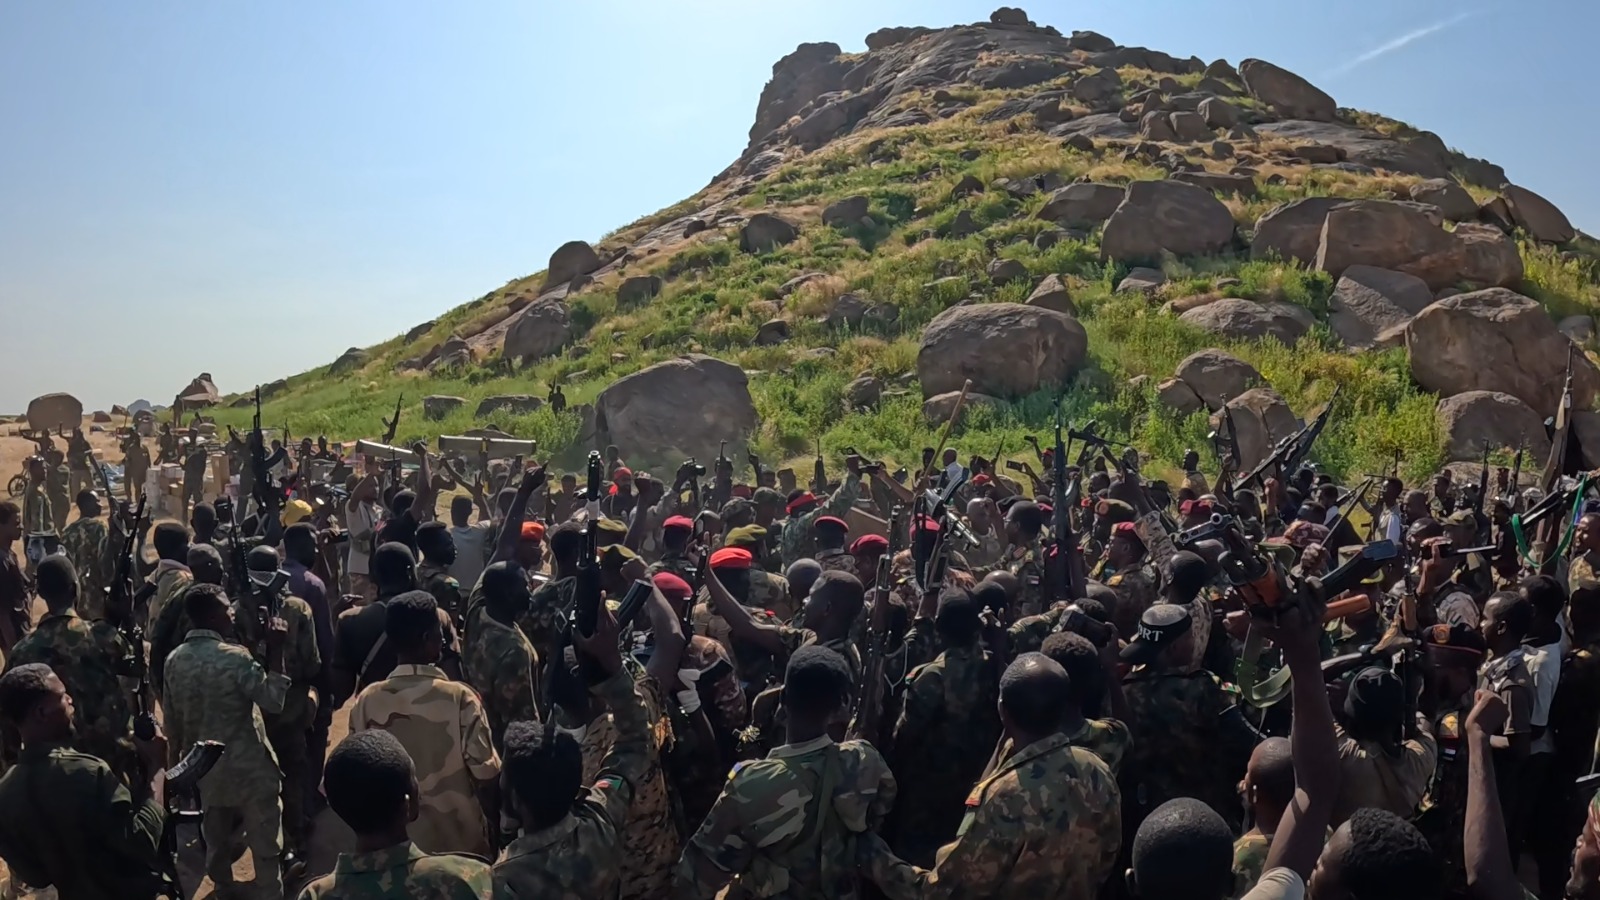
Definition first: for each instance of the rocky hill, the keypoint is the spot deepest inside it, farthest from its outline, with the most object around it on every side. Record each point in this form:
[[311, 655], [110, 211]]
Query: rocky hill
[[1032, 211]]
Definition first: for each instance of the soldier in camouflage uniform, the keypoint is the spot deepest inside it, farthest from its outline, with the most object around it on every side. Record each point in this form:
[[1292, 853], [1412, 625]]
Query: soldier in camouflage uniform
[[789, 825], [1091, 680], [439, 722], [56, 480], [947, 726], [498, 659], [804, 508], [676, 533], [1045, 823], [1454, 653], [768, 590], [172, 573], [302, 664], [372, 786], [88, 658], [1127, 575], [85, 543], [984, 522], [216, 691], [1268, 788], [1024, 557], [695, 771], [831, 534], [567, 848], [1189, 739], [205, 567], [433, 572]]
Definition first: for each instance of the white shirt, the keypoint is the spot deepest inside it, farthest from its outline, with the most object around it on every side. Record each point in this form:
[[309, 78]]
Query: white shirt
[[363, 523], [1278, 884], [472, 552], [1390, 523], [1544, 668]]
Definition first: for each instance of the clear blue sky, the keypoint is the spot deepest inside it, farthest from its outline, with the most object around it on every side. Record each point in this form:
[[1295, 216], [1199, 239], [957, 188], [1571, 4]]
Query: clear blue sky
[[247, 188]]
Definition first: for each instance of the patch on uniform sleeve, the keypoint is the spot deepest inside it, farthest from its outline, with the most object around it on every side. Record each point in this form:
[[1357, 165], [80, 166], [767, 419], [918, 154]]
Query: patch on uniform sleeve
[[737, 767], [975, 798], [608, 783], [1114, 581]]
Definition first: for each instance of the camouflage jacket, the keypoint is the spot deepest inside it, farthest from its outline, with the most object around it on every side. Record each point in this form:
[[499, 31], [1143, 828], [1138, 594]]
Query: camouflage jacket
[[216, 691], [1136, 592], [1188, 741], [991, 547], [836, 561], [502, 666], [38, 514], [548, 610], [769, 834], [1585, 567], [402, 872], [797, 541], [85, 542], [676, 563], [302, 660], [771, 592], [88, 658], [1249, 861], [580, 857], [441, 723], [650, 837], [1105, 738], [948, 721], [1047, 824], [169, 578], [1027, 563], [446, 591]]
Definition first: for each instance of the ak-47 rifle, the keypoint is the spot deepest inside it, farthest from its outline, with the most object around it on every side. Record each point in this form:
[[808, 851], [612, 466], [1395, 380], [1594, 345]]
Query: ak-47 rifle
[[819, 473], [393, 425], [586, 611], [1227, 450], [1066, 544], [1516, 475], [1293, 450], [1483, 482], [182, 780], [1556, 466], [864, 719], [120, 597]]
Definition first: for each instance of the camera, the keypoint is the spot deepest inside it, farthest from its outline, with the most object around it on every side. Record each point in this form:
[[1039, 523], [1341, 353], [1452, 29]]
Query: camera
[[690, 465]]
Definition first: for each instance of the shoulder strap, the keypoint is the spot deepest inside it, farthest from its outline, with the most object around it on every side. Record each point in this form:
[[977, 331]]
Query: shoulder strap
[[372, 654]]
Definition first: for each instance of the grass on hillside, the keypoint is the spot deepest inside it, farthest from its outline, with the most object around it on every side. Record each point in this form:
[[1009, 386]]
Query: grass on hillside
[[716, 298]]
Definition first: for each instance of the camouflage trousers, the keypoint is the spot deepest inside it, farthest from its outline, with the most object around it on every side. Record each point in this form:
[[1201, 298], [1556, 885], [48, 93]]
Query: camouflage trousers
[[254, 824], [294, 761]]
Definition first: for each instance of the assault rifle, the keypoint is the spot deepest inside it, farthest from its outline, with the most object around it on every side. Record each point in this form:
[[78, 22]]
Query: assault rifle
[[586, 611], [1516, 475], [1483, 482], [393, 425], [120, 598], [819, 472], [1293, 450], [183, 780], [864, 719], [1066, 542]]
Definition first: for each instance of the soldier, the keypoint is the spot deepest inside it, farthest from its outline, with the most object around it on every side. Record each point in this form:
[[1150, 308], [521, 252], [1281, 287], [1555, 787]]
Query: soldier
[[38, 514], [498, 659], [1189, 740], [568, 847], [166, 444], [1024, 557], [770, 834], [1193, 479], [558, 399], [946, 730], [205, 567], [16, 606], [1268, 788], [983, 520], [1129, 577], [433, 573], [1453, 654], [87, 658], [768, 590], [372, 786], [361, 655], [831, 533], [172, 572], [135, 466], [867, 550], [696, 770], [1090, 679], [56, 480], [1045, 823], [85, 542], [267, 598], [438, 720], [195, 460], [216, 691], [66, 820], [1585, 565], [80, 459], [676, 533], [804, 508]]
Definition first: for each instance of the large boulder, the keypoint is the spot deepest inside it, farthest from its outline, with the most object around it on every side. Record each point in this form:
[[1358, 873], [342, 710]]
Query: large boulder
[[54, 411], [1217, 377], [1160, 217], [638, 289], [765, 232], [1452, 199], [1538, 216], [1503, 422], [101, 417], [516, 404], [1005, 349], [1402, 237], [864, 392], [1176, 395], [1052, 294], [1190, 127], [1248, 320], [570, 260], [1497, 340], [847, 212], [420, 329], [1260, 419], [1488, 256], [937, 410], [687, 405], [1287, 94], [348, 361], [1368, 303], [540, 330], [437, 406], [119, 410], [1292, 231], [1218, 113], [1085, 204]]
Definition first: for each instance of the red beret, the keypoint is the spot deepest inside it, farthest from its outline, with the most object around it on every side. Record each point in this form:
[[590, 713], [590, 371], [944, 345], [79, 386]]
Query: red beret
[[742, 491], [683, 522], [831, 521], [1046, 509], [868, 544], [804, 499], [622, 474], [671, 586], [1195, 508], [731, 558], [928, 524], [1125, 529], [980, 480], [533, 531]]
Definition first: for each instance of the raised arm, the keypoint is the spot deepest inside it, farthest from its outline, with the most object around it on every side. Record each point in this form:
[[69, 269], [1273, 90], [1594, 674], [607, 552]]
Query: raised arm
[[1490, 873], [511, 529], [740, 623], [1312, 745]]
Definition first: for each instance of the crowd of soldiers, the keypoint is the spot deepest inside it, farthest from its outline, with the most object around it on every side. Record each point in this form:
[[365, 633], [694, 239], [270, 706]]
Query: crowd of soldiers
[[929, 683]]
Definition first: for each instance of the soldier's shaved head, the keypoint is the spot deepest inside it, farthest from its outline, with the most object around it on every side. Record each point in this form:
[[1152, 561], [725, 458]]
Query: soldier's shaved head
[[1271, 772], [801, 575], [370, 781], [1033, 694], [543, 771], [1183, 851]]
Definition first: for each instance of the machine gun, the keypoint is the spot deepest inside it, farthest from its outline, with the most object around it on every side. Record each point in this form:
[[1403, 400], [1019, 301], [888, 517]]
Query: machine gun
[[864, 718], [120, 597], [1293, 450]]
